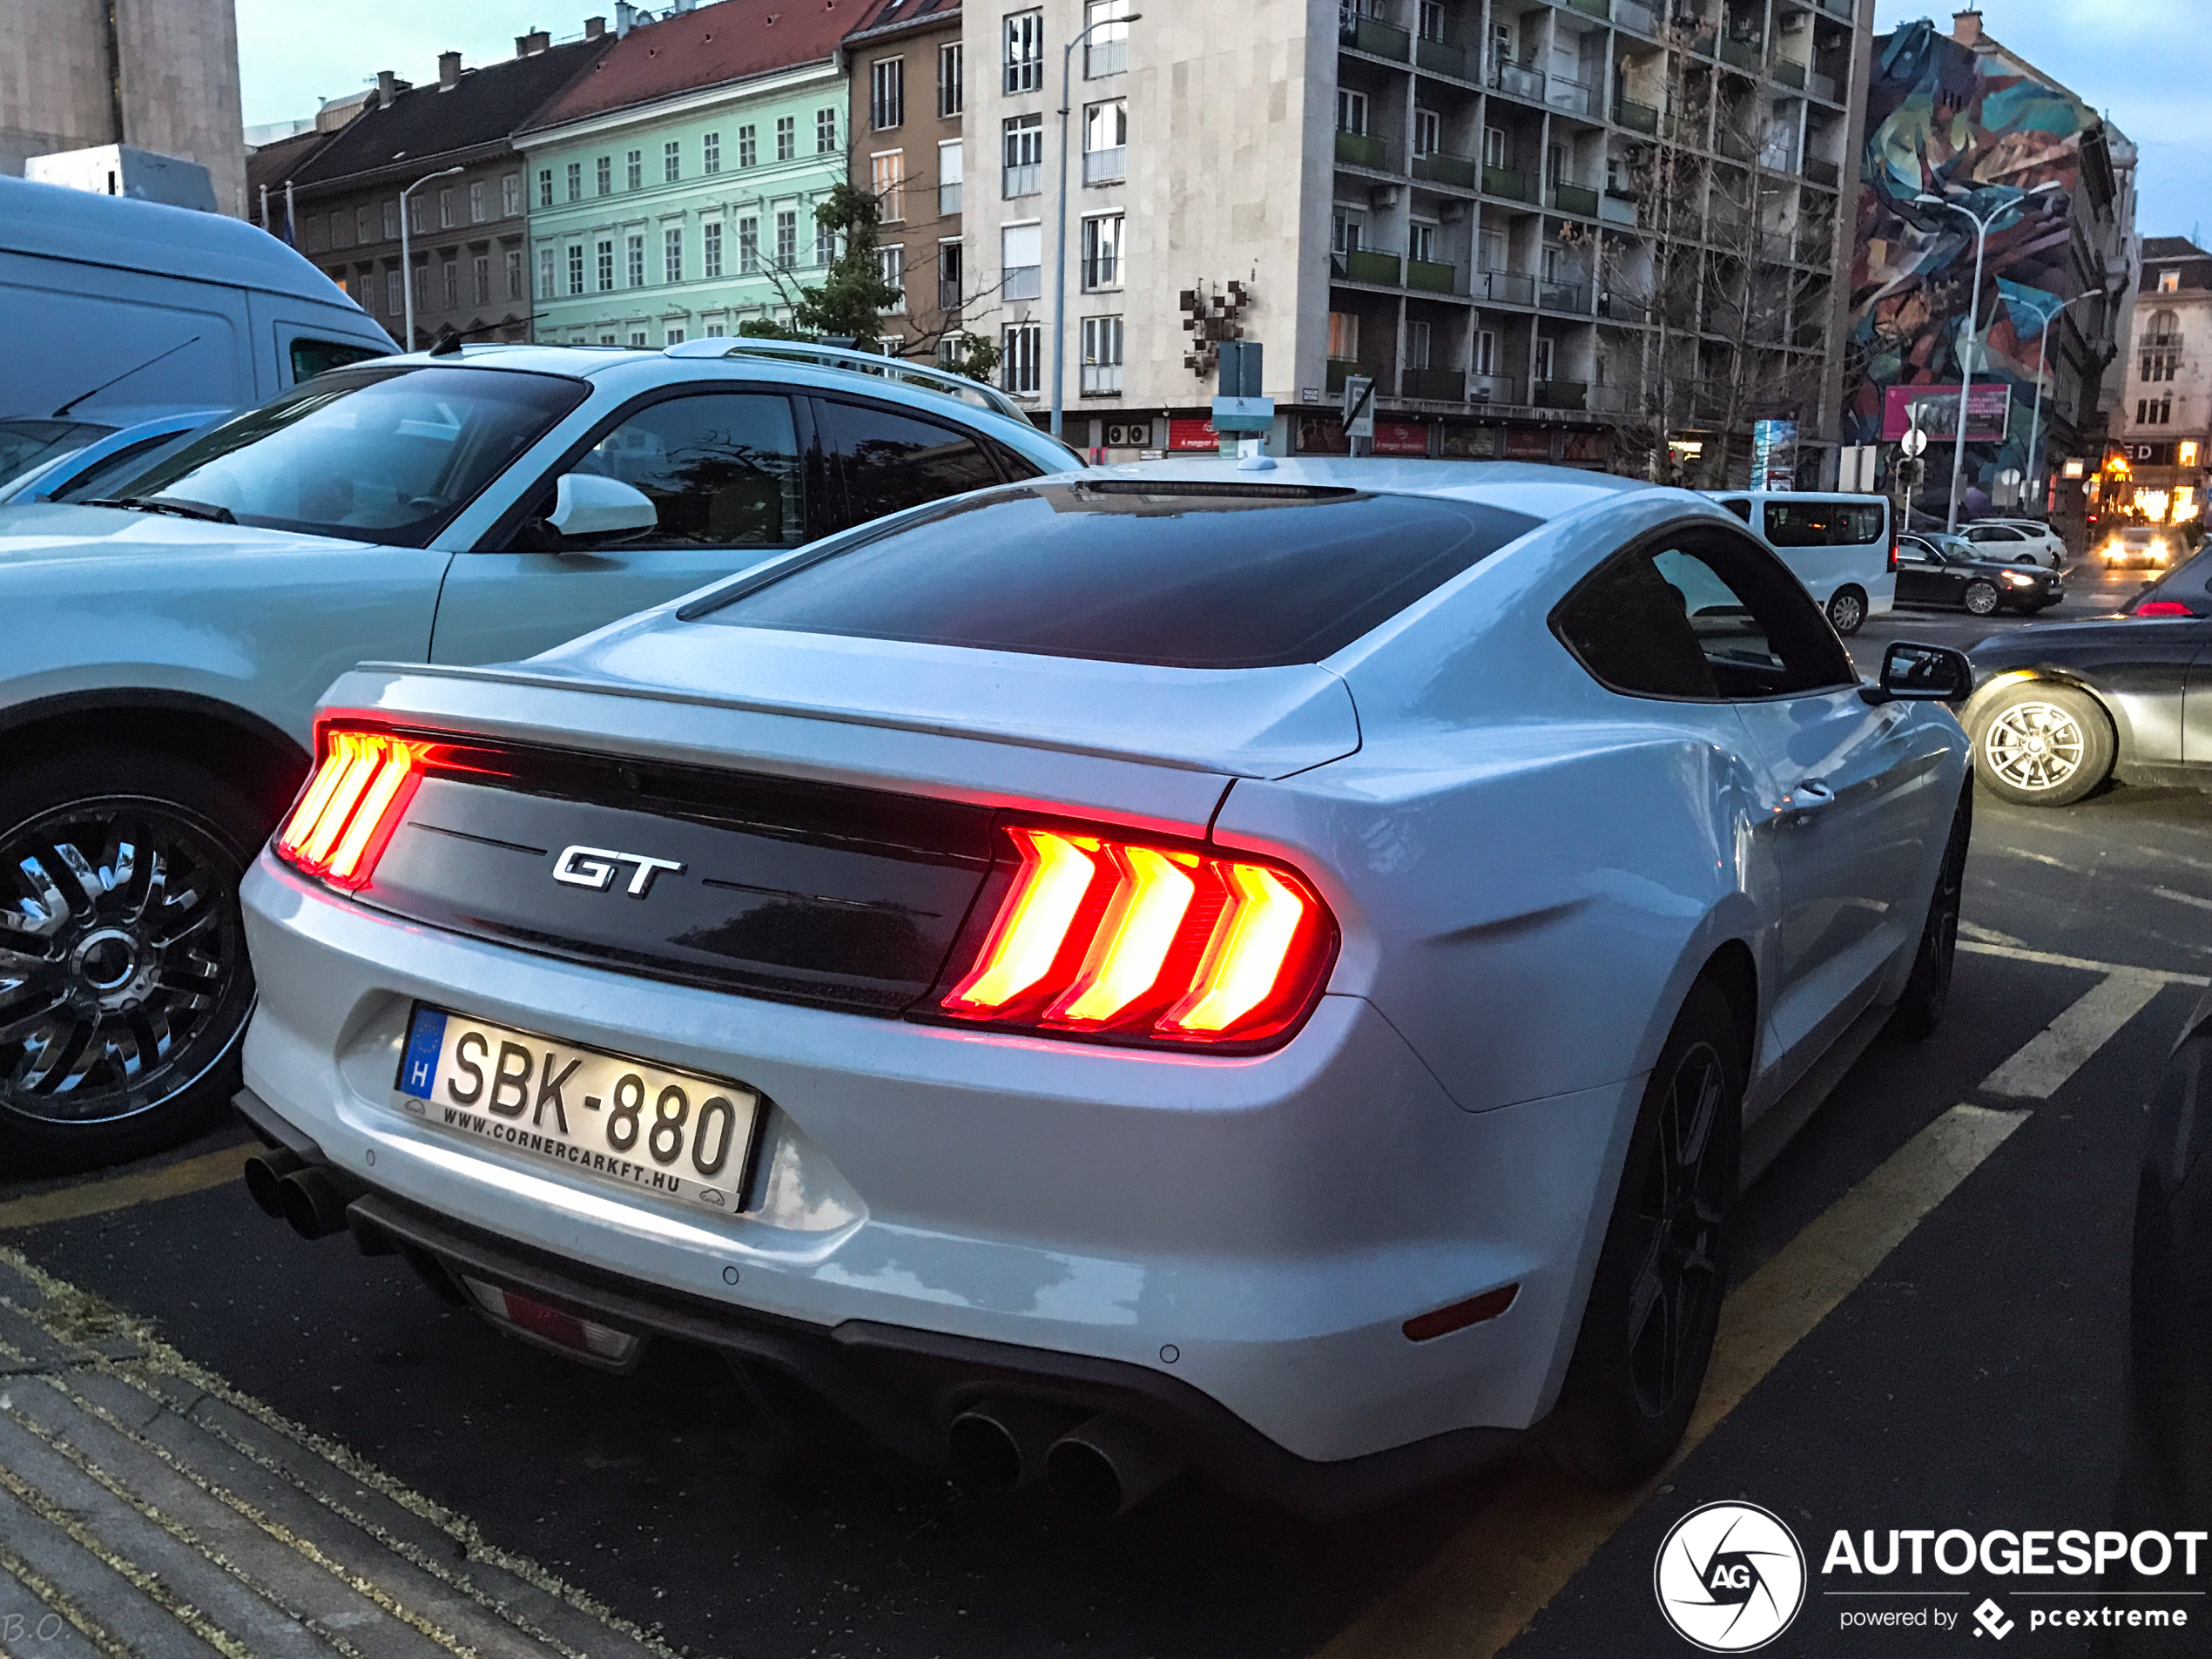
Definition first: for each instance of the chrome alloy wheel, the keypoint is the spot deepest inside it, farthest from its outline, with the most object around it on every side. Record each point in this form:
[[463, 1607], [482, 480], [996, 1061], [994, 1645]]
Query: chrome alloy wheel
[[123, 969], [1680, 1212], [2035, 746]]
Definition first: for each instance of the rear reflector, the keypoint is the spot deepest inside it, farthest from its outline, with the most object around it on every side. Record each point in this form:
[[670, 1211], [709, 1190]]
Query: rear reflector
[[2164, 608], [351, 806], [1091, 935], [1427, 1326], [587, 1338]]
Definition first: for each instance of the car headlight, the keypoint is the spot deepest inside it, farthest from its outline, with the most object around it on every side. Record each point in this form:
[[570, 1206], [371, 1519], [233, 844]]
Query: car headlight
[[2020, 578]]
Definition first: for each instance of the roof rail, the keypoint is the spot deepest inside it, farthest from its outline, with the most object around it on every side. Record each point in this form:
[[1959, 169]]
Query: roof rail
[[889, 369]]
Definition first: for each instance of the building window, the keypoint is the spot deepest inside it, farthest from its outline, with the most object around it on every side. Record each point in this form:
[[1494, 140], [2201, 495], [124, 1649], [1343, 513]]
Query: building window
[[2169, 281], [1420, 244], [786, 138], [634, 169], [951, 164], [1102, 339], [634, 261], [1023, 345], [480, 280], [2165, 330], [672, 162], [477, 214], [421, 285], [1024, 146], [888, 177], [1541, 364], [606, 252], [1430, 20], [1102, 257], [891, 265], [576, 267], [1106, 49], [392, 220], [826, 132], [951, 262], [449, 283], [1419, 336], [1021, 260], [1485, 353], [671, 254], [887, 93], [1493, 146], [825, 244], [1351, 111], [418, 214], [1025, 52], [575, 181], [637, 339], [951, 81], [675, 336], [603, 175], [1347, 232], [786, 239], [545, 289], [395, 302], [1428, 133], [1343, 336], [544, 192], [748, 147], [710, 249], [515, 273], [748, 247], [717, 331], [1106, 142], [362, 224], [510, 195], [711, 153], [2154, 411]]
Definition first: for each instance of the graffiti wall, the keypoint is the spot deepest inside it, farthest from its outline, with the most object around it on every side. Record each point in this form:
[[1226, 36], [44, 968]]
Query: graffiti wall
[[1982, 129]]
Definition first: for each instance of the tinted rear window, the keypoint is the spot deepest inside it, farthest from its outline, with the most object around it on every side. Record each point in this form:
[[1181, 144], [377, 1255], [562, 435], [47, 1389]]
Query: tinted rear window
[[1211, 577], [1823, 523]]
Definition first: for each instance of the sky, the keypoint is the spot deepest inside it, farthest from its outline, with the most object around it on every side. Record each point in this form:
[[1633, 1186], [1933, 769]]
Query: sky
[[2147, 64]]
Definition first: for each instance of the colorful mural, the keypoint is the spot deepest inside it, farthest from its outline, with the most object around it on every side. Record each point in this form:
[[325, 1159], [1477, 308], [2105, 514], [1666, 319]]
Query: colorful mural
[[1981, 129]]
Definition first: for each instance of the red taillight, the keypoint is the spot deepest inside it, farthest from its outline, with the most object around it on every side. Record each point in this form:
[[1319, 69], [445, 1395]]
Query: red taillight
[[1892, 558], [2164, 608], [1095, 936], [351, 806]]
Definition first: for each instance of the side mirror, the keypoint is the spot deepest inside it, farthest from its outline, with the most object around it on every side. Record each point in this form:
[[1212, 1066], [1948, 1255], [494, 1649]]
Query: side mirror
[[1913, 673], [588, 505]]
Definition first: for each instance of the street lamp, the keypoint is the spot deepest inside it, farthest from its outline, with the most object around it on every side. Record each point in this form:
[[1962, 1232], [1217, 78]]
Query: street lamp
[[2042, 363], [1060, 231], [1982, 226], [407, 260]]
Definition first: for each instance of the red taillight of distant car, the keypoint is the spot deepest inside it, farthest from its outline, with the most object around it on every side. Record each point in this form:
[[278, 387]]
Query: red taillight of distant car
[[2164, 608], [1893, 556], [1084, 933], [351, 806]]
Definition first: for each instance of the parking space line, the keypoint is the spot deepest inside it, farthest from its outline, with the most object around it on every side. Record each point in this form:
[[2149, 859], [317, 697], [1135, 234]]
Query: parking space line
[[1480, 1591], [2184, 898], [2063, 1046], [98, 1197], [2045, 959]]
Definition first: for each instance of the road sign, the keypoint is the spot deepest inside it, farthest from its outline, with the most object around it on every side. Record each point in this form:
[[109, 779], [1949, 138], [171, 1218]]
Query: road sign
[[1243, 415], [1914, 442], [1358, 406]]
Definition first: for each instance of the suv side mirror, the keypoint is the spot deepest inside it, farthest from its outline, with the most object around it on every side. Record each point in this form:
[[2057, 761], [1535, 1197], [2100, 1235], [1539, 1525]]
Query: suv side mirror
[[587, 505], [1915, 673]]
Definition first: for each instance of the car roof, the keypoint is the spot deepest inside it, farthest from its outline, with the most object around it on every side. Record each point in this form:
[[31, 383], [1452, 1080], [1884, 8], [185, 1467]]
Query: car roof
[[1520, 486]]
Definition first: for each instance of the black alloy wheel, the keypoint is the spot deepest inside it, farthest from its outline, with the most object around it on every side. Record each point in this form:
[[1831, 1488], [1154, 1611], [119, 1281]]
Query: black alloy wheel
[[1928, 991], [125, 987], [1684, 1208]]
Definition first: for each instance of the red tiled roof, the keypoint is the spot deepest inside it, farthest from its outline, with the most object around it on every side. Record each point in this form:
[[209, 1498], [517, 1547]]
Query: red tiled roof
[[731, 40], [892, 14]]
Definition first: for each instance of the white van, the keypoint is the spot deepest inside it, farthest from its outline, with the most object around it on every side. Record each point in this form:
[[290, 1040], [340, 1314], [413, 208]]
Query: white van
[[114, 311], [1840, 546]]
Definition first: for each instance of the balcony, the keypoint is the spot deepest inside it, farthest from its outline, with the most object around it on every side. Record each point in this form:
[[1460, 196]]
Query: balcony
[[1359, 150], [1341, 368], [1824, 173], [1844, 9], [1508, 182], [1441, 58], [1637, 118], [1432, 276], [1576, 199], [1615, 307], [1734, 144], [1570, 297], [1370, 265], [1573, 96], [1789, 73], [1824, 87], [1504, 287], [1490, 388], [1596, 9], [1517, 81], [1741, 54], [1634, 15], [1817, 248], [1025, 180], [1434, 385], [1559, 394], [1617, 207], [1102, 57], [1437, 168], [1106, 167], [1374, 37], [2161, 342]]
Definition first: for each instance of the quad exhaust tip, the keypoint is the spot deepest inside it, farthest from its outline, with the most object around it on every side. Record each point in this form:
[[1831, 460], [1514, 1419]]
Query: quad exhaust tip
[[313, 1204], [1108, 1466], [1001, 1445], [265, 1174]]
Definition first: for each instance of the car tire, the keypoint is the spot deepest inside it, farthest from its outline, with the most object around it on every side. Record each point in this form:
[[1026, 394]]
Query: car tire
[[1647, 1329], [1927, 989], [1847, 610], [129, 986], [1980, 597], [2040, 744]]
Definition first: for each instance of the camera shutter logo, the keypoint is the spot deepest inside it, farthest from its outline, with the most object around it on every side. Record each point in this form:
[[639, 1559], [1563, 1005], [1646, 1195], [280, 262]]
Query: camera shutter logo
[[1729, 1577]]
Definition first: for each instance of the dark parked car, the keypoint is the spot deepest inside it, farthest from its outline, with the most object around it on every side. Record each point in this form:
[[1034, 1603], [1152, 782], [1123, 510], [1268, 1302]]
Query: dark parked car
[[2186, 590], [2057, 709], [1933, 568]]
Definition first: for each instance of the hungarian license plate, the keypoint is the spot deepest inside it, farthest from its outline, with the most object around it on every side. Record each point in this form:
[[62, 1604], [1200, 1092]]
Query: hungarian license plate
[[651, 1128]]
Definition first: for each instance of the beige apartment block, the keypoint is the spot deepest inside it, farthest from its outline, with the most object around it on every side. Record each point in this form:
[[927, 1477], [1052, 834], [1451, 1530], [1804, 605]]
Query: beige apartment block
[[160, 74]]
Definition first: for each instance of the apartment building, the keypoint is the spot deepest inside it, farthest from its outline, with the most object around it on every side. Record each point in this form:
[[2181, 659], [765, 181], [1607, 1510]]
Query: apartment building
[[466, 234], [907, 62], [2156, 469], [672, 188], [1580, 230]]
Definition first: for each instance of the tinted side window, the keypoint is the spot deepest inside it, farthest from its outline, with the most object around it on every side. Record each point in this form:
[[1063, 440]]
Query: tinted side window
[[723, 467], [1863, 525], [1740, 509], [311, 357], [1629, 629], [891, 461]]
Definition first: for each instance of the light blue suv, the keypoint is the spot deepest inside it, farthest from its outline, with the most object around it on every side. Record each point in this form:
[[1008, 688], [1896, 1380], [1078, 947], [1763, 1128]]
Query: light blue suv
[[463, 506]]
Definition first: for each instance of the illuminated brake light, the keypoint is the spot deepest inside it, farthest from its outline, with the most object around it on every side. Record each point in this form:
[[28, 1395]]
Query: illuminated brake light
[[351, 806], [2164, 608], [1095, 936]]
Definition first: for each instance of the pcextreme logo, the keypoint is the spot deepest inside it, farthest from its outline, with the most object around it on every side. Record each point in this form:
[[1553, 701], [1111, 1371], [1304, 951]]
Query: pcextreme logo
[[1729, 1577]]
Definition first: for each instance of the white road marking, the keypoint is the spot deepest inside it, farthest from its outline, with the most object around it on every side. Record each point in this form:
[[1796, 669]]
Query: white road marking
[[2184, 898], [2045, 959], [2040, 858], [1987, 936], [2063, 1046]]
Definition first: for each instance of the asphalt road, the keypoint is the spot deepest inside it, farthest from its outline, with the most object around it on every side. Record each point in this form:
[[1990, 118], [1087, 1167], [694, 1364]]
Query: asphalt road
[[1968, 1378]]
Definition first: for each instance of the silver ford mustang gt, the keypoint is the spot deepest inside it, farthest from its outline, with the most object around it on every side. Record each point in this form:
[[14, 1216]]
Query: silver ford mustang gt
[[1279, 972]]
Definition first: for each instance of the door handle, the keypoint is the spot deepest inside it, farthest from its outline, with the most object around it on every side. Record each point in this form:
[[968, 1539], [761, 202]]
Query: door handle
[[1810, 796]]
